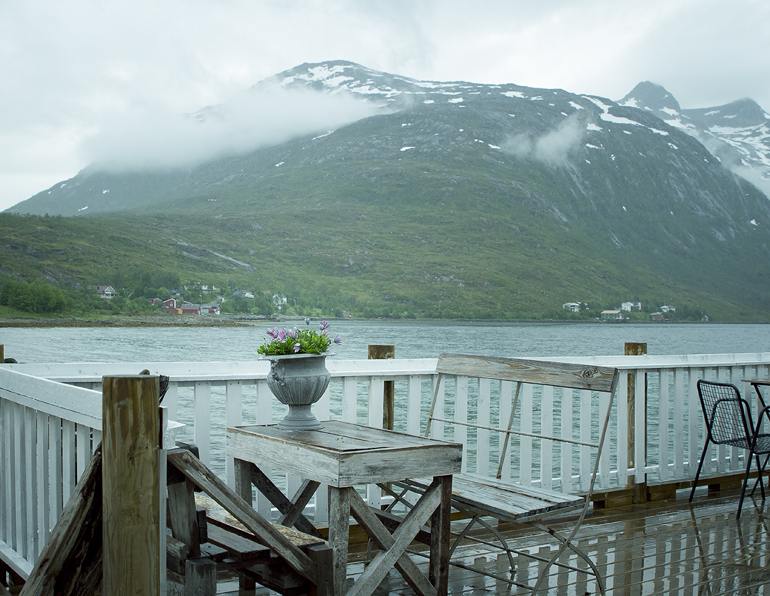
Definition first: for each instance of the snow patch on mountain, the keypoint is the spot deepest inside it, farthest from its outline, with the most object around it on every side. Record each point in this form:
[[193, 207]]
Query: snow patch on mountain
[[737, 134]]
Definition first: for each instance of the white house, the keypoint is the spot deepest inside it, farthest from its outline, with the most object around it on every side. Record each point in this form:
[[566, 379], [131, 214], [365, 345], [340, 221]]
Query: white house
[[667, 309], [107, 292], [571, 306], [629, 306], [279, 300]]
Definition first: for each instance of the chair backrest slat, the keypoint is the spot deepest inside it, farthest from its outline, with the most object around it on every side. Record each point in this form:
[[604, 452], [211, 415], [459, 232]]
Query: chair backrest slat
[[557, 374], [526, 373]]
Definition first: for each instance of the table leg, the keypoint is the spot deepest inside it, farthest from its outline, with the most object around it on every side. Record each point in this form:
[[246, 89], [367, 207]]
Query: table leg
[[242, 470], [339, 530], [440, 537]]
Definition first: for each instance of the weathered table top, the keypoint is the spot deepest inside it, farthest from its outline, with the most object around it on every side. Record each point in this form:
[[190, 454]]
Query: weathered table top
[[344, 454]]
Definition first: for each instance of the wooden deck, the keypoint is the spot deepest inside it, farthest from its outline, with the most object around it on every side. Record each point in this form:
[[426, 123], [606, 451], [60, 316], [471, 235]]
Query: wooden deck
[[662, 548]]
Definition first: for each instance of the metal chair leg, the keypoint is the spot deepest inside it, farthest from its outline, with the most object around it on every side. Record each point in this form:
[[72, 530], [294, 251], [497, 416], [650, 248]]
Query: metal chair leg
[[759, 478], [697, 474], [743, 487]]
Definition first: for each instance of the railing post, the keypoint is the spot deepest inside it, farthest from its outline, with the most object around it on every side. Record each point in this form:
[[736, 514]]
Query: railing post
[[377, 352], [640, 488], [2, 353], [131, 449]]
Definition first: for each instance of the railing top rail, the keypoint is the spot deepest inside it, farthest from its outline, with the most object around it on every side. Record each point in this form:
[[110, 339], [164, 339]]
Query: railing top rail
[[670, 361], [92, 372], [82, 406], [222, 372]]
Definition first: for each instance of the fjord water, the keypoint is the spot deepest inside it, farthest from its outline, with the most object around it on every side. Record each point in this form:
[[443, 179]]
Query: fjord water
[[412, 340]]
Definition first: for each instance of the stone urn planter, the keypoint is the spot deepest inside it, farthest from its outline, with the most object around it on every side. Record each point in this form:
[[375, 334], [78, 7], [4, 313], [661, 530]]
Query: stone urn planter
[[298, 380]]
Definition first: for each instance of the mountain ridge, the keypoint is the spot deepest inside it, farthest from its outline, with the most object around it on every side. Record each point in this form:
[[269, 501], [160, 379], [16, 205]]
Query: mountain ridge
[[505, 198], [736, 133]]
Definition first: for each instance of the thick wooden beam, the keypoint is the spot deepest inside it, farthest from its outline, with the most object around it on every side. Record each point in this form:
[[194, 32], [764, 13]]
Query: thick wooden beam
[[133, 563]]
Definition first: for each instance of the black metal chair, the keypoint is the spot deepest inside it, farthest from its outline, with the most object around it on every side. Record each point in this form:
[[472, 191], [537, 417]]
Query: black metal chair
[[729, 422]]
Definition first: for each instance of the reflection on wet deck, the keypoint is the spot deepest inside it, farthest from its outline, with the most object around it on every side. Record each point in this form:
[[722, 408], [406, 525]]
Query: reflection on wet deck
[[661, 548]]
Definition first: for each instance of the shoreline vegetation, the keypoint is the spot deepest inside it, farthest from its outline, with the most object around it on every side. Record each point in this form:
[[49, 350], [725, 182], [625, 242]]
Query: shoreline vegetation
[[132, 321], [237, 321]]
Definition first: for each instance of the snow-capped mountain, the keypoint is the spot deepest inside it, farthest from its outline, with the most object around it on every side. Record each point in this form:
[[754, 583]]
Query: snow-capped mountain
[[738, 133], [428, 189]]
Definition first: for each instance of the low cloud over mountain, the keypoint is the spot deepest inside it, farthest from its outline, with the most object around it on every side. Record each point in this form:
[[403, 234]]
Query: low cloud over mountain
[[152, 140]]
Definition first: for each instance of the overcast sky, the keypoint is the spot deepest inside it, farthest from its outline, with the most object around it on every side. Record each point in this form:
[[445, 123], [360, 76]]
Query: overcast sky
[[74, 72]]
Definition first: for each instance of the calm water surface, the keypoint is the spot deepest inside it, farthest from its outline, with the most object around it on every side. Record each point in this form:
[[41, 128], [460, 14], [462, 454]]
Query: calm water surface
[[412, 340]]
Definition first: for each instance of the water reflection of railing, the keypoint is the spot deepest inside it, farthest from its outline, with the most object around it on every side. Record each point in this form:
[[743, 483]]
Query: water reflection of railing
[[49, 430]]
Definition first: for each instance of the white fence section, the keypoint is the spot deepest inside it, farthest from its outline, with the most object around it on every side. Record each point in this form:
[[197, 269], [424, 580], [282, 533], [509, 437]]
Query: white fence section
[[50, 423], [48, 432]]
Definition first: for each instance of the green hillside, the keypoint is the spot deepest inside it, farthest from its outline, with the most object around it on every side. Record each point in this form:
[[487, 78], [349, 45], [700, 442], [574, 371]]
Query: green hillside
[[369, 264]]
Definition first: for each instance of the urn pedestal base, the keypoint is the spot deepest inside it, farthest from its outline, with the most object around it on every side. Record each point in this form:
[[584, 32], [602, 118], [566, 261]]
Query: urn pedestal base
[[300, 418], [298, 381]]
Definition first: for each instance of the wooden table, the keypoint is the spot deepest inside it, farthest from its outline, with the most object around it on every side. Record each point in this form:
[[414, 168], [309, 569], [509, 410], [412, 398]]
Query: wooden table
[[757, 384], [343, 455]]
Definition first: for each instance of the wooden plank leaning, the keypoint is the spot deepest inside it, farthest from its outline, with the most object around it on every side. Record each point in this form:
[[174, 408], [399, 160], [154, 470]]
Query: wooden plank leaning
[[71, 562]]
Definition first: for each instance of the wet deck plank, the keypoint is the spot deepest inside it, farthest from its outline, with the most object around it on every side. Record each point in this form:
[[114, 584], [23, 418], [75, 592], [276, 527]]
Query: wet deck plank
[[661, 548]]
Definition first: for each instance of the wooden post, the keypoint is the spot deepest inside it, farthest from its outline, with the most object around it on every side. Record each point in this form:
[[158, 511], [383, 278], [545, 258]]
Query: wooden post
[[377, 352], [200, 577], [2, 353], [133, 563], [640, 488]]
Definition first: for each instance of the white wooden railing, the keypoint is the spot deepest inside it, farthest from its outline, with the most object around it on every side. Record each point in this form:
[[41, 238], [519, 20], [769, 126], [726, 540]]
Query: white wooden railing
[[48, 432], [50, 423]]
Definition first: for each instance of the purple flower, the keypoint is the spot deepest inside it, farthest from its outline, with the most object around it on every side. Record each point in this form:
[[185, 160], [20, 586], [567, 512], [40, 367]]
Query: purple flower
[[292, 334], [324, 325], [338, 340], [296, 347], [272, 333], [281, 335]]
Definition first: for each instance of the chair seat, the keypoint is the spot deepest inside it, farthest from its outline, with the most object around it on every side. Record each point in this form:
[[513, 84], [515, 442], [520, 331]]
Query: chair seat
[[504, 500], [763, 444]]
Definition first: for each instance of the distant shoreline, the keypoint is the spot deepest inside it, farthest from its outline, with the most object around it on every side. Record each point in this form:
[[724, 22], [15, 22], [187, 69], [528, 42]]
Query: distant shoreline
[[250, 321], [131, 321]]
